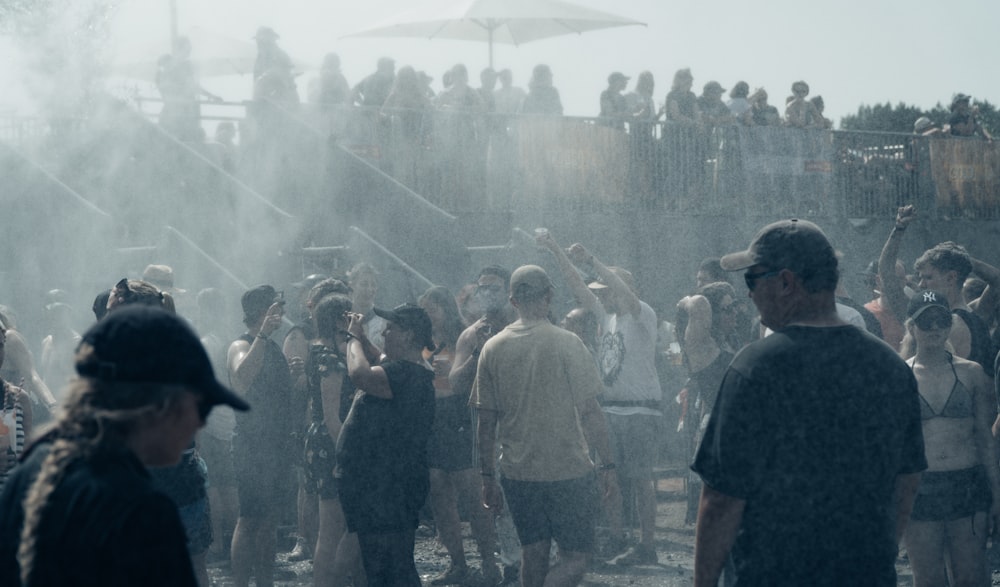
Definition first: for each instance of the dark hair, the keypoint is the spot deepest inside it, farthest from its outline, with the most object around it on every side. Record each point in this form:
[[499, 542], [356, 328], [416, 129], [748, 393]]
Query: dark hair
[[498, 271], [328, 312], [453, 324], [138, 291], [947, 256], [715, 293], [328, 286], [713, 268], [740, 90]]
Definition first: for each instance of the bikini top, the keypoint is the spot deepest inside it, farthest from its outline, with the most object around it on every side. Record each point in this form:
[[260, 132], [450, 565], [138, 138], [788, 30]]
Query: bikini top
[[959, 404]]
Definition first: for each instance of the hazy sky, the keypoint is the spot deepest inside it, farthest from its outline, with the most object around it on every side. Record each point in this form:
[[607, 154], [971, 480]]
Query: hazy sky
[[851, 51]]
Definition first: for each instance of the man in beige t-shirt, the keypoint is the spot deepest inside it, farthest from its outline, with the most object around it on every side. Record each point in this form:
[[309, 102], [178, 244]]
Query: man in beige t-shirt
[[536, 392]]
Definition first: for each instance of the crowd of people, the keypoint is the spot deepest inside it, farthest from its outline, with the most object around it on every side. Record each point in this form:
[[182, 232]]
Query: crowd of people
[[821, 433]]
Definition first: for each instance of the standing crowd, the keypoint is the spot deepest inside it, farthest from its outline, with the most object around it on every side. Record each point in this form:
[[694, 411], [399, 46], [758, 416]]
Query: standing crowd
[[822, 433]]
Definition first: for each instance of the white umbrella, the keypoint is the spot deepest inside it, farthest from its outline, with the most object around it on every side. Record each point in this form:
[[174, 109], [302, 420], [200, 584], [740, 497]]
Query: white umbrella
[[511, 22]]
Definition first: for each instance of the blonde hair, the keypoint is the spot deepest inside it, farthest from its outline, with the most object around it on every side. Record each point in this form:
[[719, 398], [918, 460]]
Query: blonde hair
[[95, 420]]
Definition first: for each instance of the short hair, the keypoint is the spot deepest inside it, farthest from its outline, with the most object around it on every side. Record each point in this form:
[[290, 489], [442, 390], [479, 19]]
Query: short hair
[[328, 312], [360, 269], [947, 256], [715, 293], [497, 271], [713, 268], [328, 286]]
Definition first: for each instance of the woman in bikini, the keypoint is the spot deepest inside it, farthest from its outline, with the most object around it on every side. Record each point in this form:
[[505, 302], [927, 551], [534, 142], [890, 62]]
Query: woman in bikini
[[958, 502]]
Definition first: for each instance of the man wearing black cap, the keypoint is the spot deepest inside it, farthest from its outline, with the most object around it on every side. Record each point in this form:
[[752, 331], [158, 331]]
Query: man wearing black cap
[[814, 449], [262, 445], [382, 472], [536, 392]]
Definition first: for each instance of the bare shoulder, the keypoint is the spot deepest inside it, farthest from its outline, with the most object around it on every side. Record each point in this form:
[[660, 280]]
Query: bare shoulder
[[970, 371]]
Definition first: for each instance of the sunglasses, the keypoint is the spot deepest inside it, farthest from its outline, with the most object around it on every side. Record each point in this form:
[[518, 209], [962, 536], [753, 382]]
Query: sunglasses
[[751, 278], [933, 321], [489, 288]]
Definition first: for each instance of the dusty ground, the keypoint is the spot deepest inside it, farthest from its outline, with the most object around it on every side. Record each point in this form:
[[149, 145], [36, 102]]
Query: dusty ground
[[674, 543]]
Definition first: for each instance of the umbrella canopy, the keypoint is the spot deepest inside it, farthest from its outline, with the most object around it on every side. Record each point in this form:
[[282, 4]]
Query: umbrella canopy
[[510, 22]]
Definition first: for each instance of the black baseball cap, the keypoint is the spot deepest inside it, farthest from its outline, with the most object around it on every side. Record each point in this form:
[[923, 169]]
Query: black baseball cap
[[787, 244], [925, 300], [412, 318], [146, 344]]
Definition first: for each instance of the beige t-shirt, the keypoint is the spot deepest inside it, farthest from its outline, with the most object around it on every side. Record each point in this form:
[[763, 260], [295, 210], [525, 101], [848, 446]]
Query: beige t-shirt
[[535, 375]]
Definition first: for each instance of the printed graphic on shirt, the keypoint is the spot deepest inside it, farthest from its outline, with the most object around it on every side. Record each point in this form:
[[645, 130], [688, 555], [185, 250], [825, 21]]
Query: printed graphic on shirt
[[611, 356]]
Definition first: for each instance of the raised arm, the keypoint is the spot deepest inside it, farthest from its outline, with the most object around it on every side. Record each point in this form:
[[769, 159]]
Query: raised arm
[[581, 293], [986, 304], [626, 297], [892, 286], [372, 380], [247, 359]]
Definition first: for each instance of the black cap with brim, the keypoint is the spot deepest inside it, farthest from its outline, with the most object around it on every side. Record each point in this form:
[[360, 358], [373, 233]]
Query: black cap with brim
[[146, 344], [412, 318], [793, 244], [925, 300]]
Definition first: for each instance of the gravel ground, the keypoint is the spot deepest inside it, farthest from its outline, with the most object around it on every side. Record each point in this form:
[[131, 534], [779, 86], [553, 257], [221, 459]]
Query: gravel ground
[[674, 544]]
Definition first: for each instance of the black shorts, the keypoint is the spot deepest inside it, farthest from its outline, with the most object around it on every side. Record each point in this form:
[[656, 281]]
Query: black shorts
[[319, 462], [565, 511], [450, 447], [951, 495]]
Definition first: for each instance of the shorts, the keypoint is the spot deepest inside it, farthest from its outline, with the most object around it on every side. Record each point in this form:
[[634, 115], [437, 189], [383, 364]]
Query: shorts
[[263, 482], [564, 511], [450, 447], [197, 526], [951, 495], [218, 455], [319, 462], [635, 441]]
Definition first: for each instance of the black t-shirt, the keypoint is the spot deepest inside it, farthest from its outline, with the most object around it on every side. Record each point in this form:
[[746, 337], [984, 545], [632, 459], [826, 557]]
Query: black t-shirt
[[382, 451], [105, 526], [811, 428]]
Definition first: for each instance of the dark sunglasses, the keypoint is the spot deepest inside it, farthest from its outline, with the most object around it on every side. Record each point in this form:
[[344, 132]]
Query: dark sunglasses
[[751, 278], [489, 288], [933, 320]]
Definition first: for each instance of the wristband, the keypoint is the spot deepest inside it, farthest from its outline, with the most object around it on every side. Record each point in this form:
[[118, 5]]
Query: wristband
[[607, 467], [900, 228], [261, 336]]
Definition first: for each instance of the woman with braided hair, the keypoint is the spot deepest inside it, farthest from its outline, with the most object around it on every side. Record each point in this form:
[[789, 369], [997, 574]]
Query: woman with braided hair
[[80, 509]]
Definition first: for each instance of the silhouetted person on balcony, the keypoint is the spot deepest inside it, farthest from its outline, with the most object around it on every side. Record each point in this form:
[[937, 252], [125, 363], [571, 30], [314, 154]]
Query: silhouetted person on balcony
[[406, 110], [508, 98], [682, 104], [374, 89], [179, 88], [614, 109], [542, 97], [964, 121], [799, 112], [487, 84], [272, 71], [738, 103], [640, 103], [333, 88], [821, 121], [761, 113], [714, 111]]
